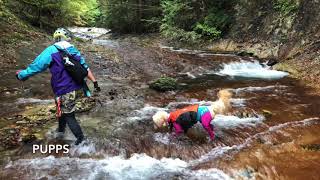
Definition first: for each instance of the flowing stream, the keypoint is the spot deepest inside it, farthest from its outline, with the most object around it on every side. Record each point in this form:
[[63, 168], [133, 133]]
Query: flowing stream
[[274, 119]]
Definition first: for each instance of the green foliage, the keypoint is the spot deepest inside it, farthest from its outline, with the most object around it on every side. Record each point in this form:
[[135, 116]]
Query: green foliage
[[127, 16], [187, 20], [80, 12], [174, 33], [50, 14], [164, 84], [285, 6], [207, 31]]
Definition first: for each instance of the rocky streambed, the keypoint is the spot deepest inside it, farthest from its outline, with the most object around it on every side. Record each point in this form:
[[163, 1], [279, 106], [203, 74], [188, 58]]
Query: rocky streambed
[[274, 121]]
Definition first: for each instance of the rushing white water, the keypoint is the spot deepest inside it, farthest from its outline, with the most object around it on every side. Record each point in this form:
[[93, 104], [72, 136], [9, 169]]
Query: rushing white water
[[163, 138], [226, 150], [139, 166], [145, 113], [250, 70], [88, 32], [253, 88], [226, 122]]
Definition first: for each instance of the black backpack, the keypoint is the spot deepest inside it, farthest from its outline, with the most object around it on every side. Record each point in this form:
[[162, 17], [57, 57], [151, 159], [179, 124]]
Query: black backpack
[[73, 67]]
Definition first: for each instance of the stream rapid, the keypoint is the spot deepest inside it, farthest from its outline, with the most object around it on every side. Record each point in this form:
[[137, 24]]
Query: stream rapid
[[266, 136]]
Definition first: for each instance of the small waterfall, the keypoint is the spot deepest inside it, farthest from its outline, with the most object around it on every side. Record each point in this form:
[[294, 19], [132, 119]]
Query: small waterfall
[[250, 70]]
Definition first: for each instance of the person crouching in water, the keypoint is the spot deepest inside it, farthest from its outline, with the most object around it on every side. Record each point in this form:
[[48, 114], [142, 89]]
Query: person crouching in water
[[183, 119], [63, 86]]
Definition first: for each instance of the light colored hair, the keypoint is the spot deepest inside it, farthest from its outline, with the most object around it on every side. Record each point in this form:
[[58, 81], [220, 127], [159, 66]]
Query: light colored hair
[[160, 118], [222, 105]]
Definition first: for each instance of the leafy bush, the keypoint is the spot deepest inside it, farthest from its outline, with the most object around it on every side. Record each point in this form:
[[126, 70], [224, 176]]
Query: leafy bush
[[285, 6], [174, 33], [187, 20], [207, 31], [49, 14], [130, 16]]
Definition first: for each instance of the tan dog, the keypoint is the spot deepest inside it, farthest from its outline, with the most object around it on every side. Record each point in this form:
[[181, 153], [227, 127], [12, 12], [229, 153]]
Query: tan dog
[[220, 106]]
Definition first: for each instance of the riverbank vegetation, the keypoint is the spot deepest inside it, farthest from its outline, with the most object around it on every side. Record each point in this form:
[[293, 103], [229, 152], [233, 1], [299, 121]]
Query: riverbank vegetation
[[282, 29]]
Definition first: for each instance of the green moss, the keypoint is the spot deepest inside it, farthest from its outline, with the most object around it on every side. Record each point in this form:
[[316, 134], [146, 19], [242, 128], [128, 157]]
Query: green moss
[[164, 84]]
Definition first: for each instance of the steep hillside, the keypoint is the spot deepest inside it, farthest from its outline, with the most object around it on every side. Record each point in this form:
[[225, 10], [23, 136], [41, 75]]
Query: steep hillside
[[14, 33]]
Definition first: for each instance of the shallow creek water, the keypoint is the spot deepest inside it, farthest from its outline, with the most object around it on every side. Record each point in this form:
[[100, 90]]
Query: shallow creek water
[[121, 143]]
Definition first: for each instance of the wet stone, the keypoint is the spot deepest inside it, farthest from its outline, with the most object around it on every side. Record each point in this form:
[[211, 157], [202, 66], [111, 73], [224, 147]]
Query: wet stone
[[311, 147], [28, 138], [21, 122]]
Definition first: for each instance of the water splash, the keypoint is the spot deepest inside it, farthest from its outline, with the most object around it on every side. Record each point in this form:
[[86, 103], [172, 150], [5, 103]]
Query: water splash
[[85, 148], [227, 122], [250, 70], [227, 151], [145, 113], [254, 88], [138, 166], [163, 138]]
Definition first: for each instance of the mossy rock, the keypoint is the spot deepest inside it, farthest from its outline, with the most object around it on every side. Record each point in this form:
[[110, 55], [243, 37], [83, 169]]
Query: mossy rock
[[164, 84]]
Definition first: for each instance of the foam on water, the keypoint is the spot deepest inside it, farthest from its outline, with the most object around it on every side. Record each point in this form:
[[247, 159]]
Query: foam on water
[[87, 148], [139, 166], [250, 70], [226, 122], [88, 32], [163, 138], [238, 102], [226, 151], [253, 89], [144, 113]]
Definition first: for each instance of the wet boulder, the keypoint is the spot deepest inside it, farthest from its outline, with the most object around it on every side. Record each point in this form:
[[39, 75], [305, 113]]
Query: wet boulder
[[164, 84]]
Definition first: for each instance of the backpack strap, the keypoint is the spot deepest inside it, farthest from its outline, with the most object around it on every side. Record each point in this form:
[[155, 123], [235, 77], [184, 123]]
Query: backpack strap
[[63, 51]]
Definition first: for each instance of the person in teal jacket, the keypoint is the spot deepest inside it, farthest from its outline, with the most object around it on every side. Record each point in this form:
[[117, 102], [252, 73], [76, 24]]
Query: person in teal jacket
[[63, 86]]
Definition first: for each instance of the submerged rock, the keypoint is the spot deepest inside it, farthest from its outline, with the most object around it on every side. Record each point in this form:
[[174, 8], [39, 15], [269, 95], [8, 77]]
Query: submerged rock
[[164, 84], [267, 113], [311, 147], [245, 53]]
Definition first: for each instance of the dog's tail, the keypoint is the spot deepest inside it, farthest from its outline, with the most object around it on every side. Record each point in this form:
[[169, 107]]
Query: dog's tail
[[223, 104]]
